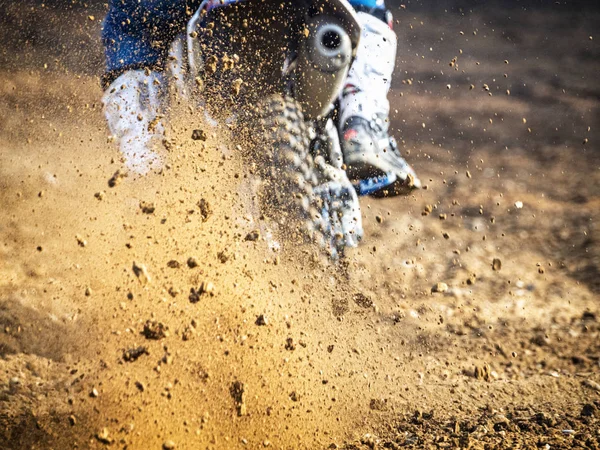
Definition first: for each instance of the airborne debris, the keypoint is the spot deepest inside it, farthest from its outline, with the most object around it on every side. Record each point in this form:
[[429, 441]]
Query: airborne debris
[[362, 300], [174, 264], [236, 85], [439, 287], [192, 262], [116, 178], [155, 330], [238, 392], [253, 236], [168, 445], [147, 207], [589, 410], [133, 354], [205, 209], [141, 272], [261, 320], [188, 333], [482, 372], [289, 344], [199, 135], [211, 64], [206, 288], [224, 256], [103, 436]]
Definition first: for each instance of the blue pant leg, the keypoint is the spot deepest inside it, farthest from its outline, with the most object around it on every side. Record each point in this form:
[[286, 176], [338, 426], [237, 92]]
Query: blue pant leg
[[374, 7], [138, 33], [367, 4]]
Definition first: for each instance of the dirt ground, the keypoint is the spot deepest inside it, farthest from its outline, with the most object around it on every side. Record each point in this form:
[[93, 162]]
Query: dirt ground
[[138, 317]]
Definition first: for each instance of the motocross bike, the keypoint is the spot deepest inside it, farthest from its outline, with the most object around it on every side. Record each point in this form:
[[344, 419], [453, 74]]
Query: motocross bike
[[281, 65]]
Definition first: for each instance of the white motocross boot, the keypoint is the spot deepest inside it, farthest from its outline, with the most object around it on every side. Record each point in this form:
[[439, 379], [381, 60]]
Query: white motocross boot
[[134, 105], [371, 155]]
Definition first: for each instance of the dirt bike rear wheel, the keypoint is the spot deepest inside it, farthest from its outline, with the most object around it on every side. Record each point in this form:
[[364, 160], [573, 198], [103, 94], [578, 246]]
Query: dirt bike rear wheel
[[287, 168]]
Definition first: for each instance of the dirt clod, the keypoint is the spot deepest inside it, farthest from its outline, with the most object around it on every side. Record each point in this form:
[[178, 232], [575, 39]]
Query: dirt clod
[[496, 264], [133, 354], [173, 264], [236, 85], [192, 262], [141, 272], [154, 330], [117, 177], [205, 209], [239, 394], [261, 320], [199, 135], [439, 287], [482, 372], [206, 288], [168, 445], [589, 410], [80, 241], [362, 300], [147, 207], [254, 235], [289, 344], [103, 436]]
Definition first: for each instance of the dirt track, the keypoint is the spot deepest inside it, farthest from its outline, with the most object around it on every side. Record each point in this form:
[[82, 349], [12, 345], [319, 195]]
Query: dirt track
[[368, 358]]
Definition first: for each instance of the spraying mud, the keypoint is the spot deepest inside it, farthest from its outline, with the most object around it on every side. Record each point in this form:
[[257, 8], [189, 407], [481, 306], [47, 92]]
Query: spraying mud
[[155, 313]]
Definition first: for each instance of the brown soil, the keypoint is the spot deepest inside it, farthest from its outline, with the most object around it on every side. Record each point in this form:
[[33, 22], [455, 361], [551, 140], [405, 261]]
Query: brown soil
[[286, 351]]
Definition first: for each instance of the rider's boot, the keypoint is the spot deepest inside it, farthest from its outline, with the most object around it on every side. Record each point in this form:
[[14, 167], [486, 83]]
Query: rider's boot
[[134, 105], [370, 153]]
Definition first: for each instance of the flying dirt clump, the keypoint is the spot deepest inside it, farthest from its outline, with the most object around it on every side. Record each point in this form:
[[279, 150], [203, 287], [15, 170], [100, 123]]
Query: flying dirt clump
[[199, 135], [116, 178], [147, 207], [133, 354], [155, 330], [205, 209], [439, 287], [496, 264], [238, 392], [141, 272], [206, 288]]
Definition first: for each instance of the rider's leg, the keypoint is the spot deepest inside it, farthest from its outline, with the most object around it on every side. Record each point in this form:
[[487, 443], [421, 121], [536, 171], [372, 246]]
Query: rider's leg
[[368, 149], [136, 37]]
